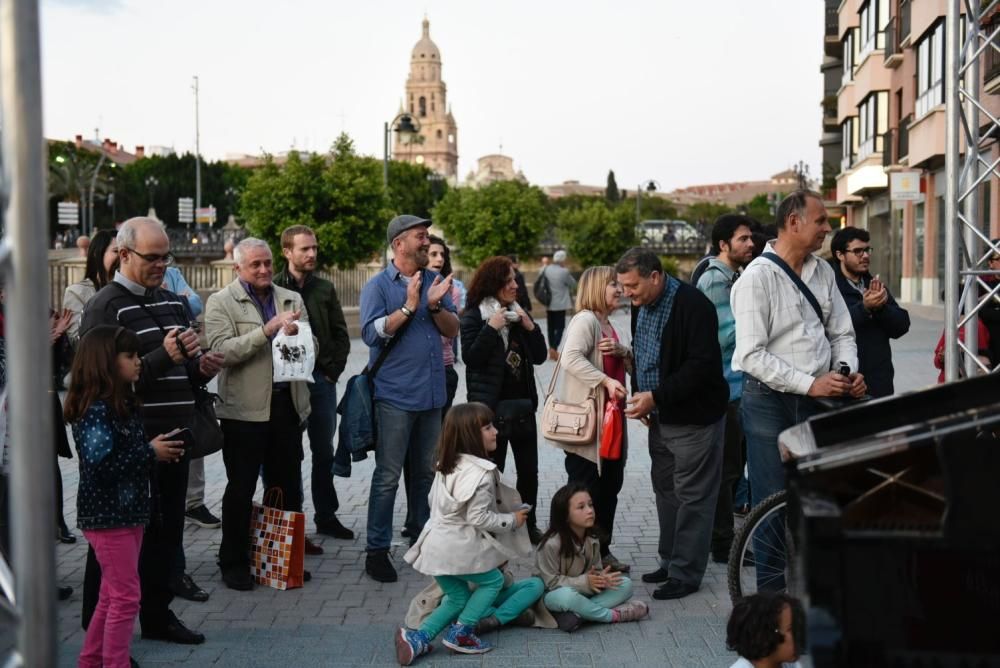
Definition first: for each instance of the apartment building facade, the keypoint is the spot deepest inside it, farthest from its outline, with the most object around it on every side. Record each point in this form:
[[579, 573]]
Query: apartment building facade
[[891, 115]]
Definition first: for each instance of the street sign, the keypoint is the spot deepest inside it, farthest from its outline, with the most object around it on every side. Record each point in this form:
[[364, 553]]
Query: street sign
[[185, 210], [905, 187], [206, 214], [69, 213]]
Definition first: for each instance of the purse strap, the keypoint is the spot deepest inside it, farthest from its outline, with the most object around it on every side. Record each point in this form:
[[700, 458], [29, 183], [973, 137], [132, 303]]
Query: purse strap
[[555, 372], [799, 283]]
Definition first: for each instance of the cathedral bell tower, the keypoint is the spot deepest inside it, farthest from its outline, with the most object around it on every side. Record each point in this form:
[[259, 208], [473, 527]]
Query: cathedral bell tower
[[426, 101]]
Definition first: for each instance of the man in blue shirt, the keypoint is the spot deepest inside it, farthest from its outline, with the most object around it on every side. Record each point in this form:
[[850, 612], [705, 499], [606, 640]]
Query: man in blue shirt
[[406, 300], [733, 246]]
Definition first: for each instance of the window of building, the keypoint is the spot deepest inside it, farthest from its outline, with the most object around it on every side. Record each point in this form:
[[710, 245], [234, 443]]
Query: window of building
[[849, 142], [451, 139], [873, 17], [930, 70], [873, 123], [423, 106], [439, 134], [849, 46]]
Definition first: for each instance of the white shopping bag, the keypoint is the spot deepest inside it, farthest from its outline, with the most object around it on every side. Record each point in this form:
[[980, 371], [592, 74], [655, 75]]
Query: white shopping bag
[[294, 355]]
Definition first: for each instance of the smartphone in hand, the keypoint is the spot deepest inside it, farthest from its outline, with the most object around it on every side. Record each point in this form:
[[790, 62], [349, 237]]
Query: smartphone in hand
[[184, 435]]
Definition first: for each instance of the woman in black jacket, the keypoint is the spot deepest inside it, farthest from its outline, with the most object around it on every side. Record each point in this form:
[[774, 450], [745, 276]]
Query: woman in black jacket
[[500, 345]]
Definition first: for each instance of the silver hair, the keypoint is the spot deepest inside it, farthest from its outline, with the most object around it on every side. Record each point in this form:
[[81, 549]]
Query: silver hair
[[559, 256], [245, 245], [127, 232]]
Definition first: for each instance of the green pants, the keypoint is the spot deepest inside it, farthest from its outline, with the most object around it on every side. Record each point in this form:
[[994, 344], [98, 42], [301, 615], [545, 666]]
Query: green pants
[[462, 604], [596, 608]]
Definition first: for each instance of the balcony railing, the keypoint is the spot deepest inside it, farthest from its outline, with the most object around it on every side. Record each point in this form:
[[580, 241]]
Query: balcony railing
[[903, 138], [832, 21], [904, 20], [892, 38], [992, 64], [888, 158]]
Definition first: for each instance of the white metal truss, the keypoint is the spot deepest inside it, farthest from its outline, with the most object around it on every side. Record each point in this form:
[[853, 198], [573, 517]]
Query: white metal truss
[[967, 173]]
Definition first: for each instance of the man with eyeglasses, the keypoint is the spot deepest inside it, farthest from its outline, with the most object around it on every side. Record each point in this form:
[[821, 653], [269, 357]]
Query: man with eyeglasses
[[874, 313], [173, 364]]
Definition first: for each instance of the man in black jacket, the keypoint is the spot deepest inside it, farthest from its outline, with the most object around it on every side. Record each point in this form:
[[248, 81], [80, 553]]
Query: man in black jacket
[[298, 245], [874, 313], [680, 393], [172, 365]]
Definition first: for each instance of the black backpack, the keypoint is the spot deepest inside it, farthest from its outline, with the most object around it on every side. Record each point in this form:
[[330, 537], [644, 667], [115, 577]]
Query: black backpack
[[542, 289]]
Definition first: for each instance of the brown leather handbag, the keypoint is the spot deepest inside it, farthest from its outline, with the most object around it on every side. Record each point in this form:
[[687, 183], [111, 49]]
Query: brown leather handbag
[[566, 422]]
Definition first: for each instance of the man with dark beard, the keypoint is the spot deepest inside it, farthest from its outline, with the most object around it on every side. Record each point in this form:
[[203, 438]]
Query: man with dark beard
[[409, 301]]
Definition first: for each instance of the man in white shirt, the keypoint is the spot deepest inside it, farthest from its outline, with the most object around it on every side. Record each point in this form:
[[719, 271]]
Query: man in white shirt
[[787, 353]]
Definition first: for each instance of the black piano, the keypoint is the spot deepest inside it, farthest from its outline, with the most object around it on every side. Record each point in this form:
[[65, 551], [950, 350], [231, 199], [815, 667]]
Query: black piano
[[896, 519]]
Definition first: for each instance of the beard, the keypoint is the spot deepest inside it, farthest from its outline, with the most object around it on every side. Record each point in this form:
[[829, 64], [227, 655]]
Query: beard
[[421, 257]]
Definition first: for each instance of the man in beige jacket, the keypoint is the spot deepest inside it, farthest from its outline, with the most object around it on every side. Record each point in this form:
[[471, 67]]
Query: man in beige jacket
[[261, 419]]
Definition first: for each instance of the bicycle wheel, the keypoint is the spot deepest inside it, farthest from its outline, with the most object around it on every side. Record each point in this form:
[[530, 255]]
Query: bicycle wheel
[[761, 556]]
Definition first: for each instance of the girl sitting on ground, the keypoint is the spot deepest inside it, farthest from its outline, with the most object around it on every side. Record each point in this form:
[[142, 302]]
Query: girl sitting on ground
[[579, 588], [767, 630], [457, 546], [113, 496]]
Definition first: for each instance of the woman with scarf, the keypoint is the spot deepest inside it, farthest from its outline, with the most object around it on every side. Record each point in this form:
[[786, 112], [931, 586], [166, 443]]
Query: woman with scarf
[[500, 346]]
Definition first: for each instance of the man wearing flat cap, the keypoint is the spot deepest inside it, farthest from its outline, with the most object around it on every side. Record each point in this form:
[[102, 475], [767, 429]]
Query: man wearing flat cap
[[408, 305]]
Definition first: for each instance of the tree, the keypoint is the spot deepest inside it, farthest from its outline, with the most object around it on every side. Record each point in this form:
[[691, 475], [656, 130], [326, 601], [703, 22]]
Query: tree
[[759, 209], [611, 192], [597, 232], [339, 195], [502, 218], [413, 189]]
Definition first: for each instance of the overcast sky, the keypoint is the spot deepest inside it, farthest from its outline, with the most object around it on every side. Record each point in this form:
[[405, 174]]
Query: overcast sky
[[677, 91]]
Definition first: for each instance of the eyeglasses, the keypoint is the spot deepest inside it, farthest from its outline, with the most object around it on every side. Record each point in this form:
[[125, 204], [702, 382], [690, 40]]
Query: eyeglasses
[[153, 259], [858, 252]]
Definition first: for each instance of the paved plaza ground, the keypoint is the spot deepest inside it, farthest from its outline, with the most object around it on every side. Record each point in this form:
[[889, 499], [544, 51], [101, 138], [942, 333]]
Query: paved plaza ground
[[343, 618]]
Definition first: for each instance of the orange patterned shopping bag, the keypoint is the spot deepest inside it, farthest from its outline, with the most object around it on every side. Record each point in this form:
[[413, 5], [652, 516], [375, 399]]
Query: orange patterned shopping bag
[[277, 543]]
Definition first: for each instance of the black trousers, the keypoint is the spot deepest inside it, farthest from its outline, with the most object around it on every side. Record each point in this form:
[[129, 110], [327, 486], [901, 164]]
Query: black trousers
[[733, 459], [523, 440], [275, 445], [555, 323], [604, 489], [160, 544]]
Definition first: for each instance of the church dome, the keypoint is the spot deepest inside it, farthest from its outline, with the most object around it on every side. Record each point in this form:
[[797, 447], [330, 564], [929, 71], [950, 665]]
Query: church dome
[[426, 50]]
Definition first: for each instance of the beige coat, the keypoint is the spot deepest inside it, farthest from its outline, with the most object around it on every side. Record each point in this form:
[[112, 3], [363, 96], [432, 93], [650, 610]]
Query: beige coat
[[557, 571], [235, 328], [469, 530], [428, 600], [582, 372]]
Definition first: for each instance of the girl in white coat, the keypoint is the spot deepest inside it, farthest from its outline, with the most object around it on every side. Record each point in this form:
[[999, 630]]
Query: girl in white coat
[[458, 546]]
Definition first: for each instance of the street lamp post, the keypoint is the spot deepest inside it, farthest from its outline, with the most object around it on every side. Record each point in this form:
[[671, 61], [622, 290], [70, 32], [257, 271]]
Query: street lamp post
[[407, 127], [151, 183], [802, 174], [651, 187], [93, 186]]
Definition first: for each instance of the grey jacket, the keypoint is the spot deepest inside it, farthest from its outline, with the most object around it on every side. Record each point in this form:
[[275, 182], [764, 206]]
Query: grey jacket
[[562, 284], [557, 571]]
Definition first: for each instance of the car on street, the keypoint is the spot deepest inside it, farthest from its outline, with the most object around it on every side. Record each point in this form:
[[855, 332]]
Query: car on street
[[663, 232]]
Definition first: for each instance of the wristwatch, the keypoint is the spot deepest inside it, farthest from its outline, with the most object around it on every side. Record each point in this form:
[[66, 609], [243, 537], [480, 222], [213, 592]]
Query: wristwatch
[[407, 312], [434, 309]]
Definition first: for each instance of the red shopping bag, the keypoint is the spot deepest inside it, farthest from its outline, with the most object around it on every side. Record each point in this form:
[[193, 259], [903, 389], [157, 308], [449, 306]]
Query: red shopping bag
[[611, 436], [277, 543]]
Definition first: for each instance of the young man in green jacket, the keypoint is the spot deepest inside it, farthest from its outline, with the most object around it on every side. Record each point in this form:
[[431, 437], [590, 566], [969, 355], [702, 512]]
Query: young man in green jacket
[[299, 247]]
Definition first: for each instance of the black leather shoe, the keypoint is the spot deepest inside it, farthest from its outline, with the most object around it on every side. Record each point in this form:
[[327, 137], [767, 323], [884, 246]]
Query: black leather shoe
[[64, 535], [239, 580], [132, 663], [674, 588], [63, 593], [174, 631], [568, 621], [659, 575], [379, 568], [333, 527], [306, 575], [185, 587], [612, 561]]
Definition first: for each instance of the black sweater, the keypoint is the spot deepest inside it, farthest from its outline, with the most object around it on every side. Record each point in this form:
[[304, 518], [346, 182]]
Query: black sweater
[[483, 353], [692, 389]]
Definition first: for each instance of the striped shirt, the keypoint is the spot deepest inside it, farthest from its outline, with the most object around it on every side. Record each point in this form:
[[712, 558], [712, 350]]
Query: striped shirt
[[164, 388]]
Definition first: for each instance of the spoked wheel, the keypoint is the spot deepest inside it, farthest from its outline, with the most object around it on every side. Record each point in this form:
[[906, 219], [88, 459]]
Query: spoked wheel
[[761, 558]]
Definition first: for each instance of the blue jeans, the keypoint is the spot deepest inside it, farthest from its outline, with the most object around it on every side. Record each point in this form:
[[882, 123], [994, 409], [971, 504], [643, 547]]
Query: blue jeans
[[765, 414], [401, 433], [322, 426]]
